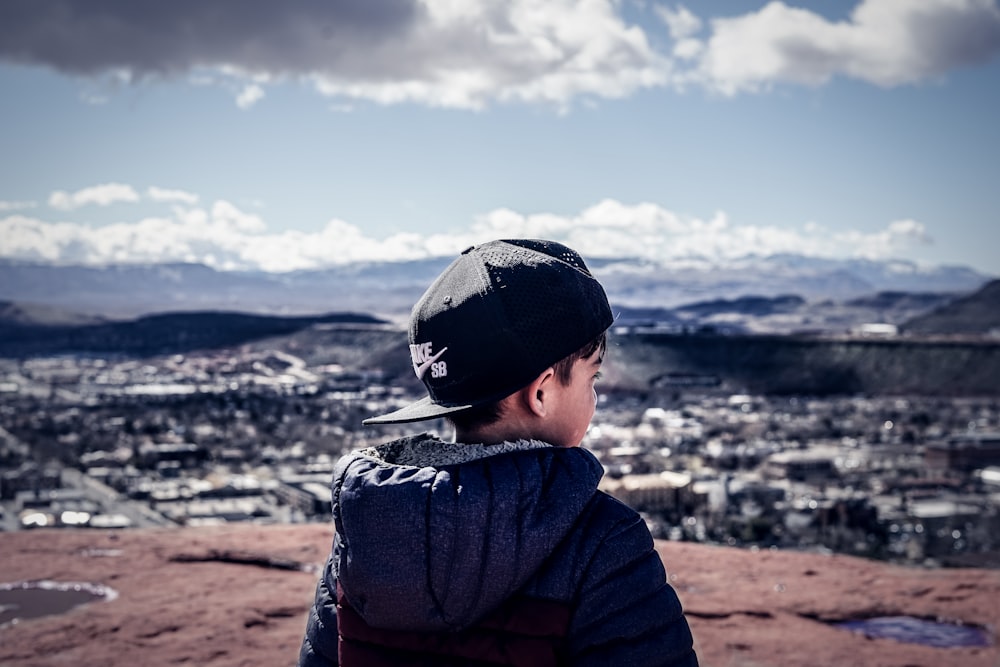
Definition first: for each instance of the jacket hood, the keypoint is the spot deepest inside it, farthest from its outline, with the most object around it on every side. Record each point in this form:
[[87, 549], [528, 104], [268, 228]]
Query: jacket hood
[[431, 535]]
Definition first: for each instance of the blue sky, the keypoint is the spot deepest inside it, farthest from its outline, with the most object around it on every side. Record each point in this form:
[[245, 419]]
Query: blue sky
[[302, 134]]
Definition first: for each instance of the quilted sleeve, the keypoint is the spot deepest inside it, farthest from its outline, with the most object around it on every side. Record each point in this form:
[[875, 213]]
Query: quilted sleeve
[[319, 646]]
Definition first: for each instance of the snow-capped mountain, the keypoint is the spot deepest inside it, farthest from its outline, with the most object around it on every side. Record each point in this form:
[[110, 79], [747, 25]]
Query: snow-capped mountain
[[390, 288]]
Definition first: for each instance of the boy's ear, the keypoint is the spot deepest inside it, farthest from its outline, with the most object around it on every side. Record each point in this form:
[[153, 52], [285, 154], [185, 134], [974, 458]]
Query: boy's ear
[[537, 395]]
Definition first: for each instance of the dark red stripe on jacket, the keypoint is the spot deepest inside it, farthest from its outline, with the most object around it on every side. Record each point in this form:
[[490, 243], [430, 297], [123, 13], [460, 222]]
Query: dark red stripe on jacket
[[526, 632]]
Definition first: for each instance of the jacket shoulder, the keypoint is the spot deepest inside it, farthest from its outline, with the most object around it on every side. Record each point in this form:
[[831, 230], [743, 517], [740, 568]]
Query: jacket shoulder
[[625, 612]]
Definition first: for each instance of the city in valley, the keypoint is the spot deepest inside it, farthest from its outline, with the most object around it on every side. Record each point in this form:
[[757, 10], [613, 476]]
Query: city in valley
[[252, 434]]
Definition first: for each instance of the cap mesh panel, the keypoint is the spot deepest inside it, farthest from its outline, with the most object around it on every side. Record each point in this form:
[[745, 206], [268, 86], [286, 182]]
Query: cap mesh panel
[[534, 311]]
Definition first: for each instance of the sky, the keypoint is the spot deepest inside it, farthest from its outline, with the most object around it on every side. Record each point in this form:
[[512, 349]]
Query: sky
[[250, 134]]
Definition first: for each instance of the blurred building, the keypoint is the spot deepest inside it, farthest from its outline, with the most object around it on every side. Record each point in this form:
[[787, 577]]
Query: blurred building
[[964, 453], [661, 492]]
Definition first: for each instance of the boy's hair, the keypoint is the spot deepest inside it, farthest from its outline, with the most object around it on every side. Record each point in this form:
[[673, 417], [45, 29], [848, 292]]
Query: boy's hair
[[499, 315], [490, 413]]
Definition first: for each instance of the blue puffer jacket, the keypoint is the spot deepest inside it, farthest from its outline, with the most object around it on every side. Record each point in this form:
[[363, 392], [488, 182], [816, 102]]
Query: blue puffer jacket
[[454, 554]]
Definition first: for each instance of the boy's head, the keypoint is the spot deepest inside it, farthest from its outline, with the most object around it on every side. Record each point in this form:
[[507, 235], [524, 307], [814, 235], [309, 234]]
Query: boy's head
[[498, 316]]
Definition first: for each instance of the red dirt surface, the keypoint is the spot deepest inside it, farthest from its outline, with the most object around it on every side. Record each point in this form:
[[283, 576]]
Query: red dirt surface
[[202, 596]]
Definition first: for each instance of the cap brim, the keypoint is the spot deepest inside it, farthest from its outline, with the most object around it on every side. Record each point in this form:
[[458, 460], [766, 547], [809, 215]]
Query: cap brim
[[415, 412]]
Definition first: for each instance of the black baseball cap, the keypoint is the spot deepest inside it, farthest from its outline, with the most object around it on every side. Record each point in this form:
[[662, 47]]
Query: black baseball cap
[[499, 315]]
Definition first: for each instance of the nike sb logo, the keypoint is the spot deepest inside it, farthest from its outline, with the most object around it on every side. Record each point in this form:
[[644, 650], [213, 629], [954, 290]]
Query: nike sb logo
[[424, 359]]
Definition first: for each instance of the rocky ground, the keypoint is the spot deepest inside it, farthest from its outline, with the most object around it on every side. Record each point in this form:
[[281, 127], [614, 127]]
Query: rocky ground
[[233, 596]]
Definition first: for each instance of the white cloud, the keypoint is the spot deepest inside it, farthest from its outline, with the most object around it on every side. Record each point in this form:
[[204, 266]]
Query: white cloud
[[231, 218], [440, 53], [680, 21], [27, 238], [471, 54], [167, 195], [477, 53], [884, 42], [249, 96], [910, 230], [16, 205], [111, 193], [101, 195], [882, 244], [613, 229], [225, 237]]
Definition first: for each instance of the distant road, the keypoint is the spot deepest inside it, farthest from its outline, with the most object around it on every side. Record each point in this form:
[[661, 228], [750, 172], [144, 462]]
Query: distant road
[[139, 514]]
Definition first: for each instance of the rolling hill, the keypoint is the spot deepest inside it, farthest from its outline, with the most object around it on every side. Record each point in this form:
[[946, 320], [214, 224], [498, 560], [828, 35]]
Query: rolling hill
[[976, 313]]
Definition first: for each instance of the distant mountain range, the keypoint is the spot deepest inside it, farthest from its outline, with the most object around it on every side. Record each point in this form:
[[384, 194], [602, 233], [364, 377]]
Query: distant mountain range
[[665, 346], [976, 313], [791, 313], [642, 284], [389, 289], [24, 334]]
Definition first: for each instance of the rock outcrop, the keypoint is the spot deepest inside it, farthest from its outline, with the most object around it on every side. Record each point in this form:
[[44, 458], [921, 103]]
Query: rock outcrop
[[239, 595]]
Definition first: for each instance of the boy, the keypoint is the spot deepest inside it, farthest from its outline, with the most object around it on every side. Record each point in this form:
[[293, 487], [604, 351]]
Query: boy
[[496, 549]]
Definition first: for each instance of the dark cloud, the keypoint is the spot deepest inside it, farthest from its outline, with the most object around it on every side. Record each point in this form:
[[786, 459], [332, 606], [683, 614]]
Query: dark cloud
[[150, 37], [462, 54], [956, 36], [470, 53]]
